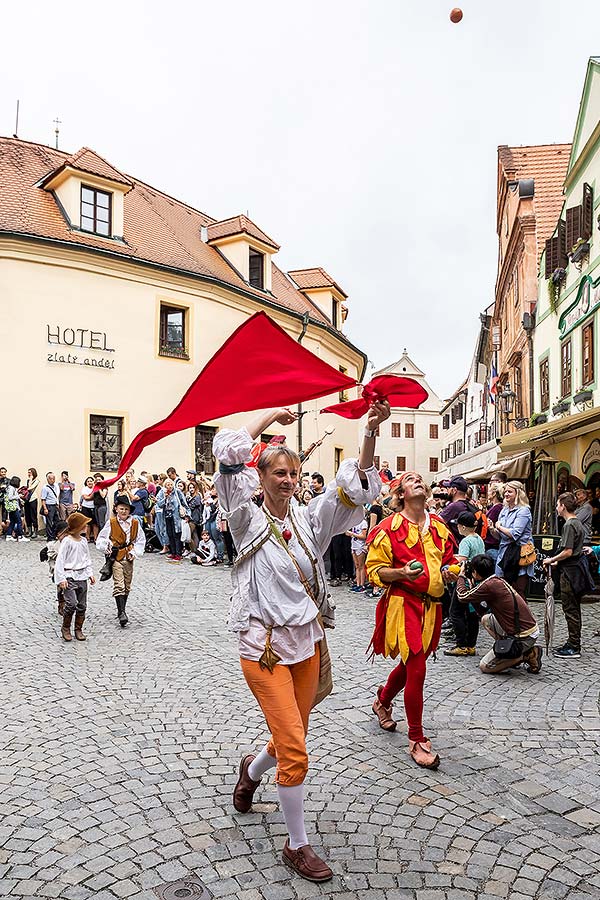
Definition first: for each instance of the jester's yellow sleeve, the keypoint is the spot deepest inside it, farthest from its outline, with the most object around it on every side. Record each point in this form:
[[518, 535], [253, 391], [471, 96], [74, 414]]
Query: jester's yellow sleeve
[[379, 556]]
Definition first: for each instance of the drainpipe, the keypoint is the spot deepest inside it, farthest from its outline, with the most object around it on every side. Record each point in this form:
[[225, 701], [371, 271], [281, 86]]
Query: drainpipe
[[305, 319]]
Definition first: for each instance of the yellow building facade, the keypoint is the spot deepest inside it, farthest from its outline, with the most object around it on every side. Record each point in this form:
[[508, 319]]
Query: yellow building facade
[[113, 298]]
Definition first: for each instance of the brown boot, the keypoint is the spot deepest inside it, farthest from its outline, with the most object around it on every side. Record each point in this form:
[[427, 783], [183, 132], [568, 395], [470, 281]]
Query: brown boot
[[79, 620], [244, 790], [533, 658], [305, 862], [383, 713], [66, 626], [61, 607]]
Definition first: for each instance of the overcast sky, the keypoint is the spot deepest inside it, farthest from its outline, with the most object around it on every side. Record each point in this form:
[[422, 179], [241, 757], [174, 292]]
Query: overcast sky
[[361, 136]]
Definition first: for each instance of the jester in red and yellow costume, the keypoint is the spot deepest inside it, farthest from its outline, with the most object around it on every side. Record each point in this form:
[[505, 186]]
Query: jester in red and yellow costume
[[407, 556]]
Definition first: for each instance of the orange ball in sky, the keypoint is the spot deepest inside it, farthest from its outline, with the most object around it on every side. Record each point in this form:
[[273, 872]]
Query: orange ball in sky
[[456, 15]]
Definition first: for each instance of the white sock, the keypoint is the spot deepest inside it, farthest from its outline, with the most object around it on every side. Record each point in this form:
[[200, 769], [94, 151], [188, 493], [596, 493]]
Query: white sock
[[292, 806], [263, 762]]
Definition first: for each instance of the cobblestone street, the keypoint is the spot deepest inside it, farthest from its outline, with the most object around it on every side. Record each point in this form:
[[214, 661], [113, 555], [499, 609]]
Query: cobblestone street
[[119, 756]]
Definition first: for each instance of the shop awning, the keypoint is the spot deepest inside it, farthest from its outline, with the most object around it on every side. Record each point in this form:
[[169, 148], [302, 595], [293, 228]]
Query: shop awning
[[551, 433], [515, 466]]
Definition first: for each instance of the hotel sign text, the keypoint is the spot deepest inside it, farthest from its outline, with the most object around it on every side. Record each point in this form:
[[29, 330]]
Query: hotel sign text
[[82, 340]]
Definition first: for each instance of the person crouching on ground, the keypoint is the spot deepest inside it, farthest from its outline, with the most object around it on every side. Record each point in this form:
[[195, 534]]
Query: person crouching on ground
[[509, 615], [122, 538], [465, 620], [406, 554], [280, 602], [52, 548], [205, 553], [72, 571]]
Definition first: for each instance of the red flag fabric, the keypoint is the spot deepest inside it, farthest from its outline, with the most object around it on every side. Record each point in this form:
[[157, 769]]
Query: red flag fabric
[[257, 367], [397, 389]]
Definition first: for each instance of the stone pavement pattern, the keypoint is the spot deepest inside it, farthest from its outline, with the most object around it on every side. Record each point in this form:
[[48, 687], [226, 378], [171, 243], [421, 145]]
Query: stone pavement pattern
[[118, 757]]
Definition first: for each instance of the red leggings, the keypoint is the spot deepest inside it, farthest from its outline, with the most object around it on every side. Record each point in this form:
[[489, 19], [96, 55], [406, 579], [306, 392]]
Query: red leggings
[[411, 677]]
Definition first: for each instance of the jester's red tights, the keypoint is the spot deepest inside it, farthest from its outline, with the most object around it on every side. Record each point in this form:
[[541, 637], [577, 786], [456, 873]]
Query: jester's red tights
[[410, 676]]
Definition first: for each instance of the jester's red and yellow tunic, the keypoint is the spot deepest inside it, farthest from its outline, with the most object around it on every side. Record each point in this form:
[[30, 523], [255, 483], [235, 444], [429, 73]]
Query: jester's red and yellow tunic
[[408, 619]]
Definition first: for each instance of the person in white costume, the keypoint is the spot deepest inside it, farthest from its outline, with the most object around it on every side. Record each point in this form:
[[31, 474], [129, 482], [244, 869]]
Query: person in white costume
[[281, 604]]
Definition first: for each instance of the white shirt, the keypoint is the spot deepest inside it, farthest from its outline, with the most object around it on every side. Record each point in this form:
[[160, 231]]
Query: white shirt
[[103, 542], [267, 589], [73, 560]]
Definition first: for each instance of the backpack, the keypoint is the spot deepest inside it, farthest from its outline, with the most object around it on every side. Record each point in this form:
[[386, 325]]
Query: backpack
[[149, 502], [482, 523]]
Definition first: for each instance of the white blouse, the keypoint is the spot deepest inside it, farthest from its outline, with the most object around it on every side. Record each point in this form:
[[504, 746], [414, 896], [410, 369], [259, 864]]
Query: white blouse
[[267, 590], [73, 561]]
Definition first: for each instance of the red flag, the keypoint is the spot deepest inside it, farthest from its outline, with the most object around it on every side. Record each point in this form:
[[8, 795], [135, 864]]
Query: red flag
[[397, 389], [257, 367]]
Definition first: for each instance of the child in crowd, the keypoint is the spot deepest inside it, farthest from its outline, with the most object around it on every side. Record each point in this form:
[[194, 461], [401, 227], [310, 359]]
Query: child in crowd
[[206, 552], [358, 536], [72, 571], [463, 616], [52, 548]]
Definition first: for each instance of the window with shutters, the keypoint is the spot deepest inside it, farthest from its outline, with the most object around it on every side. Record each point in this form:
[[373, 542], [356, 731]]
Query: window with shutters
[[433, 432], [587, 212], [400, 464], [544, 385], [409, 430], [556, 250], [396, 429], [573, 226], [587, 354], [446, 422], [433, 464], [256, 271], [459, 447], [565, 368], [172, 335]]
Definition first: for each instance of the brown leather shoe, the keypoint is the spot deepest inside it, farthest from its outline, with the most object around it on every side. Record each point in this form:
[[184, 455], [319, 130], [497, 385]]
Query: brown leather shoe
[[383, 713], [305, 862], [79, 620], [243, 793], [66, 626], [423, 755], [533, 659]]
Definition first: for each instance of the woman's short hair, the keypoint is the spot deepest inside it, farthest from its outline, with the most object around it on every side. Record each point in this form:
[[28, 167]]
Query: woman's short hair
[[522, 498], [272, 451]]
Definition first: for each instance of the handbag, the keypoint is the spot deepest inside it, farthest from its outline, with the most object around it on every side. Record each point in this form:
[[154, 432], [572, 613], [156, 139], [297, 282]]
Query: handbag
[[511, 646], [528, 555], [186, 532]]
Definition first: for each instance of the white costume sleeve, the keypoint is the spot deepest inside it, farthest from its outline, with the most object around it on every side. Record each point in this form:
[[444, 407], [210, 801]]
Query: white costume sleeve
[[342, 505], [59, 566], [235, 482], [103, 539], [139, 548]]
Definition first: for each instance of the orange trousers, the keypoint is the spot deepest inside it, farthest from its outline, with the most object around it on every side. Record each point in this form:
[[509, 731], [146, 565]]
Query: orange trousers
[[286, 696]]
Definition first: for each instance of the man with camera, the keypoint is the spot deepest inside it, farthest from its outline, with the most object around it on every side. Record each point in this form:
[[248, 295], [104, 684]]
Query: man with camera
[[509, 619]]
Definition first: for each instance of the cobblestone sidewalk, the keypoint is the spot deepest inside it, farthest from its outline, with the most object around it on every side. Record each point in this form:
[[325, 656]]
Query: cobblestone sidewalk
[[118, 758]]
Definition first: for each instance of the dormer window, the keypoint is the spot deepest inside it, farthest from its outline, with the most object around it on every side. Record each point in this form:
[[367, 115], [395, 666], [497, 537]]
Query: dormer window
[[256, 276], [95, 211]]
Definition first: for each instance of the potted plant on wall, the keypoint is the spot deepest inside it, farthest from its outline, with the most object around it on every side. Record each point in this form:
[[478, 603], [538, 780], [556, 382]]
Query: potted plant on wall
[[580, 250], [538, 419], [583, 395], [555, 283], [560, 407]]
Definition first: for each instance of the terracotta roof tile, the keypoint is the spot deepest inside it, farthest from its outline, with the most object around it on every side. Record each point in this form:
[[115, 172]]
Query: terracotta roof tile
[[87, 160], [239, 225], [314, 278], [157, 228], [547, 165]]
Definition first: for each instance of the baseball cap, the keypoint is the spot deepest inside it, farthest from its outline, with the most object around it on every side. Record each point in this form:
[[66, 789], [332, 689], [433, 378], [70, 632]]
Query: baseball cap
[[467, 519], [458, 482]]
